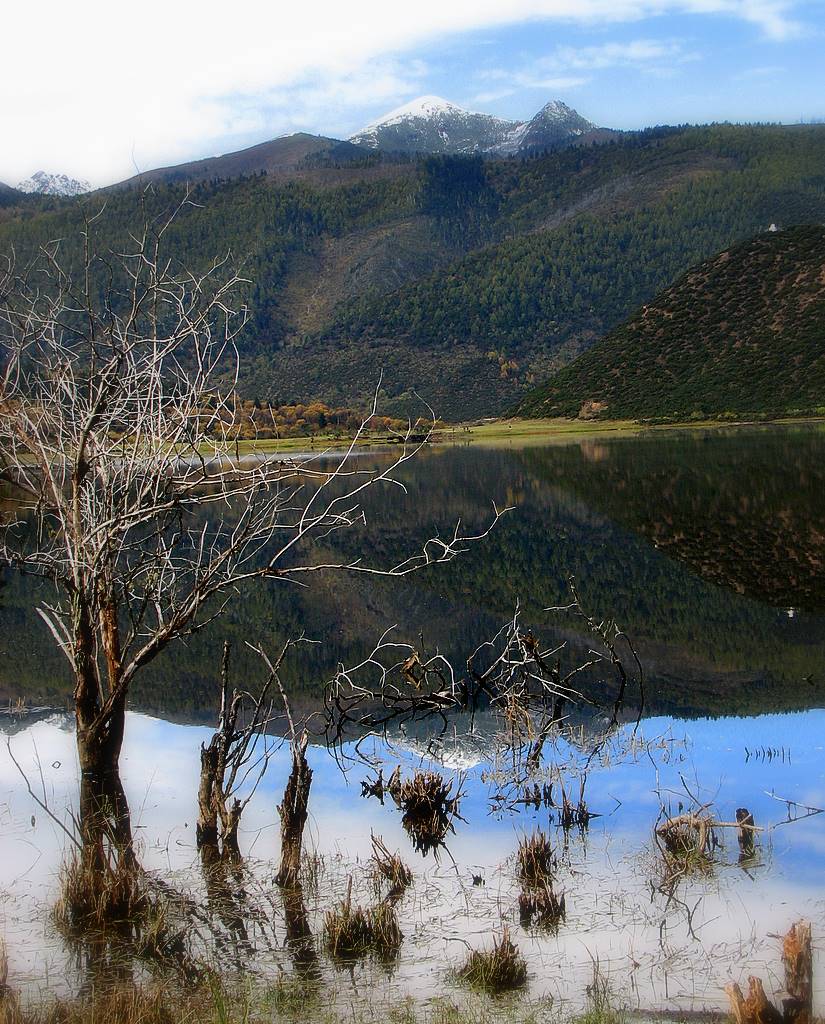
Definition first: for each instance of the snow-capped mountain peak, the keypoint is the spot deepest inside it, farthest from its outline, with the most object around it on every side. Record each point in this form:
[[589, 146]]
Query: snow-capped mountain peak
[[431, 124], [555, 109], [423, 107], [54, 185]]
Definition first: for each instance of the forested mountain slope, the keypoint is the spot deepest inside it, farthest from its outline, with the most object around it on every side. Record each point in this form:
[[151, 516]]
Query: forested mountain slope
[[740, 334], [466, 280]]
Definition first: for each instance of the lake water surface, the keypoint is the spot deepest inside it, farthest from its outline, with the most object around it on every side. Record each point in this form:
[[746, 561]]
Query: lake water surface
[[708, 548]]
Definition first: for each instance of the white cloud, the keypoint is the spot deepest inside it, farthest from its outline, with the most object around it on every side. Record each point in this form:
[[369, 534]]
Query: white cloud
[[768, 71], [516, 82], [552, 73], [87, 87], [639, 53]]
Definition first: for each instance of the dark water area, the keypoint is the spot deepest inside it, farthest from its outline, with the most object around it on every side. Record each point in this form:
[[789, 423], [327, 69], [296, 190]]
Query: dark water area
[[706, 547]]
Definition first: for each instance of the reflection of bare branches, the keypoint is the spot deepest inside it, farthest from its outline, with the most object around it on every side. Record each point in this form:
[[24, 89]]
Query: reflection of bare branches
[[513, 675], [230, 760], [793, 808], [42, 801], [609, 635]]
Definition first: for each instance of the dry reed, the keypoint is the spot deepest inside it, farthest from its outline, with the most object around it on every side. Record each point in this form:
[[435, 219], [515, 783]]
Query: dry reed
[[540, 907], [388, 867], [93, 899], [535, 860]]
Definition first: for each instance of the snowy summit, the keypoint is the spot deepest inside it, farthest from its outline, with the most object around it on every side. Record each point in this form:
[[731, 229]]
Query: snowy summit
[[424, 107], [54, 185], [431, 124]]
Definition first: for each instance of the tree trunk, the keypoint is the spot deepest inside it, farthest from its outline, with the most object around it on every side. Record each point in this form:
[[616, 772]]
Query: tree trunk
[[293, 814], [206, 832], [104, 810], [798, 1008], [231, 819]]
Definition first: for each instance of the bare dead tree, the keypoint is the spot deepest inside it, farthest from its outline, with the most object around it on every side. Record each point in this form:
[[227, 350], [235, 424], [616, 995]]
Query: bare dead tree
[[116, 432]]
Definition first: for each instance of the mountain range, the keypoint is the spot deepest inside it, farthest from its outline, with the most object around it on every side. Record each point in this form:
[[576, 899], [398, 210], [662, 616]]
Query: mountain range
[[427, 125], [468, 278]]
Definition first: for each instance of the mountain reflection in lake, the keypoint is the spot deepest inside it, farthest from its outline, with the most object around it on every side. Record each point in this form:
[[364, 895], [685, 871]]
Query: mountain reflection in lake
[[707, 548], [614, 912]]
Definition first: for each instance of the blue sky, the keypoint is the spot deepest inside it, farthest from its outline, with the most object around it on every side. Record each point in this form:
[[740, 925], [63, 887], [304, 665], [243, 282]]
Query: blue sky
[[661, 69], [100, 91]]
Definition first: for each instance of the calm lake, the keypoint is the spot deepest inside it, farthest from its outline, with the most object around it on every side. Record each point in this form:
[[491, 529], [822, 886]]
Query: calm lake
[[706, 547]]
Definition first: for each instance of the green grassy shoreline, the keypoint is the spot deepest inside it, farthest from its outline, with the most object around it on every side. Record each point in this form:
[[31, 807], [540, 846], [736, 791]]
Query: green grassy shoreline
[[491, 433]]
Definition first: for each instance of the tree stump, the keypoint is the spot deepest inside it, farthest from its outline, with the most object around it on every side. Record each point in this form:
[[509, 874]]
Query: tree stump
[[797, 958], [293, 813]]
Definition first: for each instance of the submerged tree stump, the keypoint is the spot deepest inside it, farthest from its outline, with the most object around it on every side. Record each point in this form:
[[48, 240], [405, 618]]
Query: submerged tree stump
[[757, 1008], [745, 837], [293, 814], [797, 1008]]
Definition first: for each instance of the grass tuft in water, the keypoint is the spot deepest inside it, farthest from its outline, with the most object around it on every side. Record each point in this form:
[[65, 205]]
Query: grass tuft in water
[[122, 1004], [428, 807], [500, 969], [540, 907], [94, 899], [351, 932], [600, 1009], [538, 903]]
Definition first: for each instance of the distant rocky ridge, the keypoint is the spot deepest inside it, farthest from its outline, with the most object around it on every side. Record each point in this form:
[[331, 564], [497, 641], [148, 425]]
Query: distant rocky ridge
[[431, 124], [46, 184], [426, 125]]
